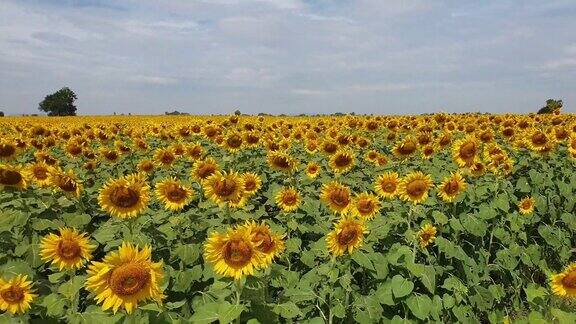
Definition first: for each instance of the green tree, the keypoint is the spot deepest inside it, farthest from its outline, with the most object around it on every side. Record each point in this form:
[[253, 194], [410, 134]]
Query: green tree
[[1, 114], [237, 112], [60, 103], [551, 105]]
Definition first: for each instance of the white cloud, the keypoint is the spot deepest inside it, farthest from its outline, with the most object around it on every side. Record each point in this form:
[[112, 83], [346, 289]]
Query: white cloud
[[148, 79]]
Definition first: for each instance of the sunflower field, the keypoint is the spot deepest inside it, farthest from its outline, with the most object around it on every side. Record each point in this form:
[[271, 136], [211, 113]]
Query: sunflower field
[[447, 218]]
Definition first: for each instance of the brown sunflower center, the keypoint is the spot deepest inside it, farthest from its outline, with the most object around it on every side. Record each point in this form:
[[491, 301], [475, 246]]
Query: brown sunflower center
[[13, 294], [175, 193], [425, 236], [111, 155], [205, 170], [539, 139], [569, 280], [234, 141], [388, 186], [342, 160], [68, 249], [365, 206], [526, 204], [416, 188], [237, 253], [7, 150], [347, 235], [147, 166], [249, 184], [407, 148], [330, 148], [312, 169], [40, 172], [124, 197], [266, 243], [468, 150], [225, 187], [289, 198], [281, 162], [10, 177], [167, 158], [339, 197], [451, 187], [129, 279]]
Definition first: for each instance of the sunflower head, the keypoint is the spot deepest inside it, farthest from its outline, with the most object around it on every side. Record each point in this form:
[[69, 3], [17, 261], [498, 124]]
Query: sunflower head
[[451, 186], [312, 170], [266, 241], [13, 176], [146, 166], [164, 157], [465, 151], [224, 188], [288, 199], [282, 162], [125, 277], [204, 168], [66, 181], [415, 186], [16, 294], [68, 250], [252, 182], [342, 161], [406, 147], [8, 151], [526, 205], [336, 196], [234, 253], [40, 173], [564, 283], [173, 194], [426, 235], [347, 235], [386, 185], [124, 197], [366, 205]]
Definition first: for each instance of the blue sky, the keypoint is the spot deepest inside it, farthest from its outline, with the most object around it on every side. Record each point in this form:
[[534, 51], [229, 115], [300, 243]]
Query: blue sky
[[288, 56]]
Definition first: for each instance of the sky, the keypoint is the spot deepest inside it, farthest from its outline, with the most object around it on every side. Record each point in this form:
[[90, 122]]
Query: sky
[[288, 56]]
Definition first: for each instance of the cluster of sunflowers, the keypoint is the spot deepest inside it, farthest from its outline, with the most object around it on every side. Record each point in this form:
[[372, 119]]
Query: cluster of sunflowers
[[141, 155]]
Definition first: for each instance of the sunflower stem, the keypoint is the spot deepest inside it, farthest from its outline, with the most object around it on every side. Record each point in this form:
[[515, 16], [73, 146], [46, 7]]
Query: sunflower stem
[[239, 284]]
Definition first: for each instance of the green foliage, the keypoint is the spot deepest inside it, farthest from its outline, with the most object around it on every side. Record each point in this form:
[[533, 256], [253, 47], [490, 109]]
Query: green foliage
[[60, 103]]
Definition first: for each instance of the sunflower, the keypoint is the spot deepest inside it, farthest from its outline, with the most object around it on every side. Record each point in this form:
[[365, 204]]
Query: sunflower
[[366, 205], [224, 187], [564, 283], [312, 170], [16, 294], [405, 148], [336, 196], [8, 151], [427, 152], [347, 235], [204, 168], [426, 235], [465, 151], [146, 166], [40, 173], [371, 156], [386, 185], [234, 254], [194, 151], [125, 197], [233, 142], [164, 157], [252, 183], [13, 176], [451, 186], [414, 187], [342, 161], [281, 161], [269, 243], [66, 181], [537, 140], [173, 194], [125, 277], [70, 249], [288, 199], [526, 205]]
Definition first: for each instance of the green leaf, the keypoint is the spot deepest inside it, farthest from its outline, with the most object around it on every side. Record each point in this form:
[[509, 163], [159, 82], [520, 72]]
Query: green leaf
[[439, 218], [287, 310], [188, 253], [174, 305], [184, 279], [210, 312], [54, 304], [362, 259], [76, 220], [401, 286], [384, 293], [70, 288], [474, 225], [534, 291], [420, 306]]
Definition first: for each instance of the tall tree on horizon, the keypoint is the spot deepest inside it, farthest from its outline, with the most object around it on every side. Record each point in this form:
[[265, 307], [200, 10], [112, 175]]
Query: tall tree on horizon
[[60, 103]]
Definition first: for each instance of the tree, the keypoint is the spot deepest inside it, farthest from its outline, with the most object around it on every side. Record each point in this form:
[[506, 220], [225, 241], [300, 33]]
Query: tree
[[1, 114], [60, 103], [237, 112], [551, 106]]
